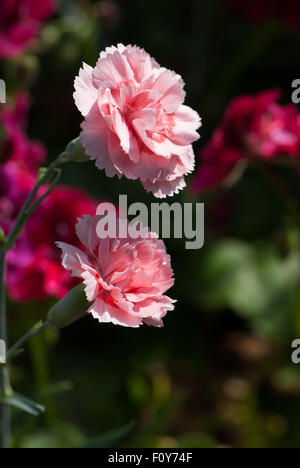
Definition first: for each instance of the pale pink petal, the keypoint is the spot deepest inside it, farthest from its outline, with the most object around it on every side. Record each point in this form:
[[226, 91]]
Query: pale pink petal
[[170, 85], [94, 139], [112, 70], [91, 285], [73, 259], [186, 125], [86, 92], [86, 231], [107, 313], [163, 189]]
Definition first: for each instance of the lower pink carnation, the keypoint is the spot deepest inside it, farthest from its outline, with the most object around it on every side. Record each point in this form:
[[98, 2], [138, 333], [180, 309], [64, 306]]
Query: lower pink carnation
[[125, 279]]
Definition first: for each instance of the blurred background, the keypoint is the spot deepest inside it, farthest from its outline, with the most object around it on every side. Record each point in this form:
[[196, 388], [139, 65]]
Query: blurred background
[[219, 374]]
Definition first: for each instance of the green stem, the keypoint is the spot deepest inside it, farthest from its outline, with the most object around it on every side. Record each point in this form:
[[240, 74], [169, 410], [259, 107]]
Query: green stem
[[30, 206], [5, 389], [35, 330], [40, 363], [279, 187], [73, 153]]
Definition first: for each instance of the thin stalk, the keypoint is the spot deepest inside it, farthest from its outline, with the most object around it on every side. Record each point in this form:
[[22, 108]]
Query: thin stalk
[[5, 389], [35, 330], [279, 187], [30, 206]]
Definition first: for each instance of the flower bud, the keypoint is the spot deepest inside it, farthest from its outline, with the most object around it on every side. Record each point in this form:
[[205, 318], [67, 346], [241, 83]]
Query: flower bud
[[69, 309], [75, 152]]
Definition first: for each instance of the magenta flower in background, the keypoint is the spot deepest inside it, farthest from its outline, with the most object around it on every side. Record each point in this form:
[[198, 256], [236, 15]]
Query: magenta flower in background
[[15, 185], [135, 121], [253, 127], [264, 10], [125, 279], [16, 145], [20, 22], [109, 12]]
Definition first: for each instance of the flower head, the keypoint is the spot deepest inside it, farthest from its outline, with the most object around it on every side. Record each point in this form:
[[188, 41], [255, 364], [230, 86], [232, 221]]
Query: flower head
[[20, 22], [124, 278], [135, 121], [253, 127]]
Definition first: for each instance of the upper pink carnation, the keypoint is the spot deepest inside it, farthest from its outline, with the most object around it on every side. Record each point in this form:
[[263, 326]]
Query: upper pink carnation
[[135, 121], [125, 279]]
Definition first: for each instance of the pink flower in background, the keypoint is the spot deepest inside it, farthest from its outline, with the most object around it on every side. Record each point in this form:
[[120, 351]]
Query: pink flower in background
[[253, 127], [20, 22], [109, 13], [263, 10], [135, 121], [15, 185], [125, 279], [16, 145], [34, 268], [34, 273], [57, 217]]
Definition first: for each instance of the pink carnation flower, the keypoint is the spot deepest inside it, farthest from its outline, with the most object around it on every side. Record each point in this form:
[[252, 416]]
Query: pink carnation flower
[[253, 127], [125, 279], [135, 121], [20, 22]]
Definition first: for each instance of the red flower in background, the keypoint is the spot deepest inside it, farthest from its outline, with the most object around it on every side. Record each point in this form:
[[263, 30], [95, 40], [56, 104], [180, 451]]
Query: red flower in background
[[20, 22], [16, 145], [15, 185], [34, 268], [263, 10], [253, 127]]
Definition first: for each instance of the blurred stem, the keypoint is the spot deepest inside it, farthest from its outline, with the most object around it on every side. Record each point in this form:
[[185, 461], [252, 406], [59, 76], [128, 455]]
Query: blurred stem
[[35, 330], [5, 389], [73, 152], [51, 175], [279, 187], [245, 56], [39, 357]]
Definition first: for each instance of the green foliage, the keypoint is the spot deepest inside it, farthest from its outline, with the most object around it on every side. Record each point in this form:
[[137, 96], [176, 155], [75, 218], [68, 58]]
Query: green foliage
[[255, 282]]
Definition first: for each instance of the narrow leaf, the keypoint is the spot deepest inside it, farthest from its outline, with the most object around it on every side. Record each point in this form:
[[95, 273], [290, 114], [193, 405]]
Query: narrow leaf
[[24, 404]]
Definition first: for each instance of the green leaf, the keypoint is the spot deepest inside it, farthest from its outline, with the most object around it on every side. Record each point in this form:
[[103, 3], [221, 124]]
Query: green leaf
[[59, 435], [24, 404], [255, 282], [55, 389], [2, 235], [109, 439], [196, 440]]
